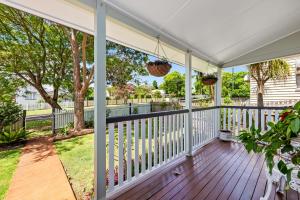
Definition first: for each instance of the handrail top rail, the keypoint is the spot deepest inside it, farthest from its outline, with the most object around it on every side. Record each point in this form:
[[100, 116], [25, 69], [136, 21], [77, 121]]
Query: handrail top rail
[[144, 116], [173, 112], [257, 108]]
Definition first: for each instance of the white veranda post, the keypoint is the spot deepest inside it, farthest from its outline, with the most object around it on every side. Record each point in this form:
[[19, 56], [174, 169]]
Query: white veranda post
[[218, 96], [100, 102], [188, 102]]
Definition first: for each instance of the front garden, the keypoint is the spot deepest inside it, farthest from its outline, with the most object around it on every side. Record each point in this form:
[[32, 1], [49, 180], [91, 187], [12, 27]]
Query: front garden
[[8, 163]]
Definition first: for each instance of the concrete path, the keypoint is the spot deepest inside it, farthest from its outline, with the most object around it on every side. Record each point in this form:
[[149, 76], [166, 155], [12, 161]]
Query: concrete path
[[39, 174]]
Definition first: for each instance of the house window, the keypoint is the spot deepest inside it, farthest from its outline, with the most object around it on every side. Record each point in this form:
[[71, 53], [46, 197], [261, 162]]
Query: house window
[[31, 96]]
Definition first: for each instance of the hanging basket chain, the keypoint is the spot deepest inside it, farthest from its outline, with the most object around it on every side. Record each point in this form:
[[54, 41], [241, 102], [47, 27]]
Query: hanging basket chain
[[161, 66]]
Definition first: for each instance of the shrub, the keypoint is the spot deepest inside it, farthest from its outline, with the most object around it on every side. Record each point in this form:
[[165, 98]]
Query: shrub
[[227, 100], [10, 112], [13, 136], [135, 110]]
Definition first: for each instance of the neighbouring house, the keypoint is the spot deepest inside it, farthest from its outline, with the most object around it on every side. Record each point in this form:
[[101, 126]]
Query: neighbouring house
[[30, 99], [280, 92]]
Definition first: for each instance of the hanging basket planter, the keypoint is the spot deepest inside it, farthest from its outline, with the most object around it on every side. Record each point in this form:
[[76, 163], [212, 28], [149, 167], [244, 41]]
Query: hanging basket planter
[[209, 79], [159, 68]]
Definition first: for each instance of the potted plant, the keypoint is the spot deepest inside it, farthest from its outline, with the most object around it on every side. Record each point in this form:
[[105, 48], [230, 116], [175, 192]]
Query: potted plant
[[209, 79], [278, 144], [159, 67]]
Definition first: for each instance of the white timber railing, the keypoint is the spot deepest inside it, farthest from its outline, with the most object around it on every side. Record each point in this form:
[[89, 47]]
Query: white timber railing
[[237, 118], [139, 144], [205, 125]]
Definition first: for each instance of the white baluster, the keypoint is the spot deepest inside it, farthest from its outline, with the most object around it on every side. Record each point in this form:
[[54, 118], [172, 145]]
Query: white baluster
[[239, 120], [250, 118], [262, 119], [174, 135], [233, 120], [136, 147], [229, 119], [111, 173], [129, 157], [165, 138], [244, 118], [155, 140], [170, 136], [224, 118], [276, 116], [256, 118], [149, 143], [160, 139], [121, 151], [143, 131]]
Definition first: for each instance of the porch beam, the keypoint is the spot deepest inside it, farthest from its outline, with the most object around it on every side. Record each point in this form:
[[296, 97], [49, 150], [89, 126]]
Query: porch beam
[[188, 102], [100, 102]]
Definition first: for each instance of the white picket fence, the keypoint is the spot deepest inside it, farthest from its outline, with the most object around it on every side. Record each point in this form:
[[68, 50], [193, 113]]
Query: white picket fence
[[64, 117]]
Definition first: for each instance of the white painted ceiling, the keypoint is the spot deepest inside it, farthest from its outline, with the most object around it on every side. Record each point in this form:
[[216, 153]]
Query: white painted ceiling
[[221, 30], [218, 32]]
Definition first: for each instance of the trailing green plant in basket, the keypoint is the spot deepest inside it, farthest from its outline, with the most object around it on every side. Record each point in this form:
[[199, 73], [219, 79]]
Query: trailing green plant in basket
[[209, 79], [278, 142]]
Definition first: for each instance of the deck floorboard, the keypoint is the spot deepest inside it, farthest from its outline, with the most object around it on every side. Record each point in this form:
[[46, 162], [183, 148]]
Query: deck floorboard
[[219, 170]]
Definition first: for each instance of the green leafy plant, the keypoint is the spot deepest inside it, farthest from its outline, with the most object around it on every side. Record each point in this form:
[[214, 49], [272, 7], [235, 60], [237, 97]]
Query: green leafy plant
[[10, 112], [135, 110], [65, 130], [277, 142], [13, 136]]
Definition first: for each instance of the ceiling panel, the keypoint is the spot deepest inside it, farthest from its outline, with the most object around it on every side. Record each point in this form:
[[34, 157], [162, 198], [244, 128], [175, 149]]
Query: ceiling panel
[[223, 30]]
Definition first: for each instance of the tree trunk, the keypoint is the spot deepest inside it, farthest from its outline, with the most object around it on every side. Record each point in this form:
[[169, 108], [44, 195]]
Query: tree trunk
[[78, 112], [260, 101], [260, 94]]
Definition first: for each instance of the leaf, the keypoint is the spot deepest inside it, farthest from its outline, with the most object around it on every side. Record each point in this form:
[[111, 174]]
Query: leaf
[[298, 174], [296, 159], [295, 125], [282, 167], [297, 106], [287, 148]]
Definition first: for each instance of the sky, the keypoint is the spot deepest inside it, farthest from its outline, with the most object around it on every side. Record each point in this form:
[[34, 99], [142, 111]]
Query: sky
[[149, 79]]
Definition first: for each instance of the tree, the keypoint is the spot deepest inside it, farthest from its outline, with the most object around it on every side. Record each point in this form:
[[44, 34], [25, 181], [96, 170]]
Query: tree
[[142, 91], [234, 85], [9, 86], [276, 69], [36, 50], [174, 84], [82, 56], [154, 84]]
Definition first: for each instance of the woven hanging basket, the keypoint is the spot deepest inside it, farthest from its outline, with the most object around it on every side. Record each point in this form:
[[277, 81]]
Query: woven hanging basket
[[209, 80], [159, 68]]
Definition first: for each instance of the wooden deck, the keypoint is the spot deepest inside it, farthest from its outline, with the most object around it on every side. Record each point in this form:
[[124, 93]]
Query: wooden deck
[[220, 170]]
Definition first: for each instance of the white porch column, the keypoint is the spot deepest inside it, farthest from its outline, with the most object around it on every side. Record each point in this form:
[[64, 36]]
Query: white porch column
[[218, 97], [100, 102], [218, 90], [188, 102]]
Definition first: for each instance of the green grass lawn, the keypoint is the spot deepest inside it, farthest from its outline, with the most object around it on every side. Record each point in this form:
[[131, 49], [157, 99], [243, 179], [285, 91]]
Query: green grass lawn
[[8, 163], [76, 155]]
